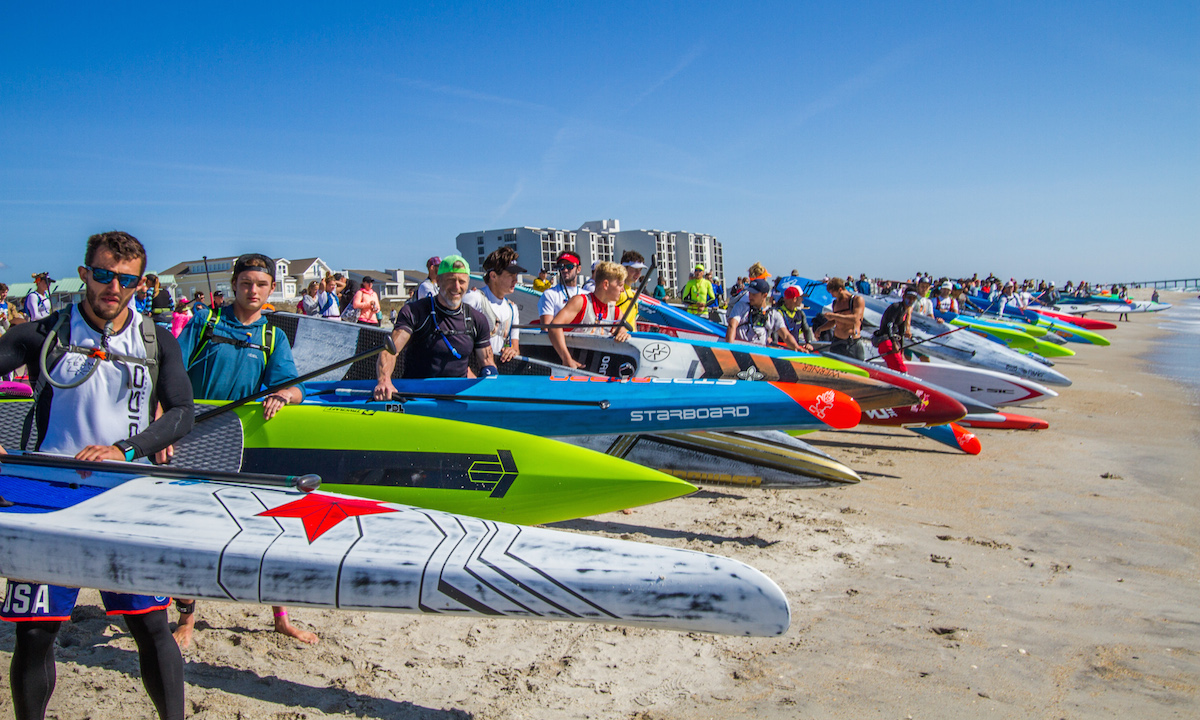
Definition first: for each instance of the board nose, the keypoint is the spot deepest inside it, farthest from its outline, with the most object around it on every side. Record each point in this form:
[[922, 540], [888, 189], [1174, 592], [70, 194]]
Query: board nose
[[832, 407]]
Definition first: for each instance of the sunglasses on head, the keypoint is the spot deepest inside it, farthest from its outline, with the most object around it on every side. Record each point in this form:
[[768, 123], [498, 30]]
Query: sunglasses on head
[[104, 277]]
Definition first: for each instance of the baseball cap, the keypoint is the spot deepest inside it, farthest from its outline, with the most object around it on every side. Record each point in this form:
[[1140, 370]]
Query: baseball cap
[[910, 291], [759, 286], [515, 268], [454, 264], [698, 267], [946, 286], [435, 260], [45, 275], [368, 279], [792, 292]]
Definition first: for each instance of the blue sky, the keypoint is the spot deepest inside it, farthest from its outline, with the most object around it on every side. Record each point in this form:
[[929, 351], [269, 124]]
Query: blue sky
[[1030, 139]]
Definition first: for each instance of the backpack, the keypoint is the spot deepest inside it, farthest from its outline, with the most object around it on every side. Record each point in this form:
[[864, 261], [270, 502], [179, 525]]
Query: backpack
[[207, 335], [58, 343]]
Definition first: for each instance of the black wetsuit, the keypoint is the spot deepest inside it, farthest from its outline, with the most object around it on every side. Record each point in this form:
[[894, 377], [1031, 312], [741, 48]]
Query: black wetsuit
[[32, 672]]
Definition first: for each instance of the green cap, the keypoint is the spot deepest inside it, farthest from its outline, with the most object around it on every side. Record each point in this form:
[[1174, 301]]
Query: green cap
[[454, 264]]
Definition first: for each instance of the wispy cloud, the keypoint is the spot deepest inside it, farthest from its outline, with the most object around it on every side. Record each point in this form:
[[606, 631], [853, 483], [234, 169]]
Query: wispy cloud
[[512, 198], [688, 58], [468, 94], [841, 94]]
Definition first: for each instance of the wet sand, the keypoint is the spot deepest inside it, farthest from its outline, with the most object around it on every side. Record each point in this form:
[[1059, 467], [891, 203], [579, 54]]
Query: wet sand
[[1053, 576]]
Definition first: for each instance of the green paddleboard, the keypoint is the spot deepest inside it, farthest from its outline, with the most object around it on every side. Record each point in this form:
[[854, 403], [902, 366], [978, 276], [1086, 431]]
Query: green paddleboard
[[438, 464]]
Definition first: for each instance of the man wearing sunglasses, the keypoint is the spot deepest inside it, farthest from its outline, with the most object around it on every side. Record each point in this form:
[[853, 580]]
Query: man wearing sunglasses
[[567, 287], [96, 403], [440, 333]]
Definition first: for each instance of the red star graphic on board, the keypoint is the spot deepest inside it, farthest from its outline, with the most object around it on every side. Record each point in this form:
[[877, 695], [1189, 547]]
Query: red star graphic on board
[[322, 513]]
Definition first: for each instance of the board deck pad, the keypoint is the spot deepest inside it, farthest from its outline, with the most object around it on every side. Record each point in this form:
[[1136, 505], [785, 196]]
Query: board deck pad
[[317, 343]]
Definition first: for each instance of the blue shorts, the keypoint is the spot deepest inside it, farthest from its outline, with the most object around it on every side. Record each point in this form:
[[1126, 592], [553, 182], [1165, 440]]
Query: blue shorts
[[35, 601]]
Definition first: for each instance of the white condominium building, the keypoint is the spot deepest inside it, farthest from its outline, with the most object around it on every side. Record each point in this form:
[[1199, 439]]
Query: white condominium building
[[677, 252]]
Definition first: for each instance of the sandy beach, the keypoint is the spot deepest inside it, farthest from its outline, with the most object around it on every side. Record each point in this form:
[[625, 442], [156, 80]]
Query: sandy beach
[[1053, 576]]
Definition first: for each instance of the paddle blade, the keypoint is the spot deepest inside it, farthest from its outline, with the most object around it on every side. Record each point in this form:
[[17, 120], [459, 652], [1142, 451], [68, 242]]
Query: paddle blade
[[832, 407]]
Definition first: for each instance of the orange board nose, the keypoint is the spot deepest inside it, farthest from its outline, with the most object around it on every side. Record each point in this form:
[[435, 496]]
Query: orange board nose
[[835, 409], [966, 439]]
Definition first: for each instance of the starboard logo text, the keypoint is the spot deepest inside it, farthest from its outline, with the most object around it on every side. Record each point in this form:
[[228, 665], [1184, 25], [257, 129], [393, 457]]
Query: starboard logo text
[[713, 413]]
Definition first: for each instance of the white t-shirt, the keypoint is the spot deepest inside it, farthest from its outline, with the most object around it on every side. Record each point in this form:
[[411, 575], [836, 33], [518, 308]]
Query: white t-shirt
[[555, 299], [109, 406], [923, 306], [427, 288], [502, 314], [762, 333]]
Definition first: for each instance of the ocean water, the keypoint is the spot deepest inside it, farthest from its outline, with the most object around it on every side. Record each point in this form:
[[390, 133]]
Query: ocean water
[[1178, 354]]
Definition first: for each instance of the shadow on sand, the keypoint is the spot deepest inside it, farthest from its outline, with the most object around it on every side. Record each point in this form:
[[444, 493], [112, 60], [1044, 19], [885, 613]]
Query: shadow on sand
[[83, 642]]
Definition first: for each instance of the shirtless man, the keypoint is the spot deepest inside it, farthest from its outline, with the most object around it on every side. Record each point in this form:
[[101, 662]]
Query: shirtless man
[[844, 318]]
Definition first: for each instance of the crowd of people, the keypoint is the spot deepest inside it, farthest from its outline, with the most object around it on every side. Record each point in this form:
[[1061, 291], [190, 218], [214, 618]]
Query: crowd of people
[[218, 349]]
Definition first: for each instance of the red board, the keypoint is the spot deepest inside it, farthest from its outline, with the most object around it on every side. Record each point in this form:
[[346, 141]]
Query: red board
[[1011, 421], [1085, 323], [935, 408]]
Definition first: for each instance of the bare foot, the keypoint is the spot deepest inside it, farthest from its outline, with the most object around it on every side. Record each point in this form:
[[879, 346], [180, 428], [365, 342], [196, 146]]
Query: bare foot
[[627, 511], [183, 633], [283, 626]]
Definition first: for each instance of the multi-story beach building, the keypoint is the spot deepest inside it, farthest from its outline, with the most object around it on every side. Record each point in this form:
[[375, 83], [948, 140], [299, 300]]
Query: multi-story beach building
[[677, 252]]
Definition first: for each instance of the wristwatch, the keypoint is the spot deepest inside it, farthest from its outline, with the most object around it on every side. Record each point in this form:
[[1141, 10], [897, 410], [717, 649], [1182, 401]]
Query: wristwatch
[[127, 448]]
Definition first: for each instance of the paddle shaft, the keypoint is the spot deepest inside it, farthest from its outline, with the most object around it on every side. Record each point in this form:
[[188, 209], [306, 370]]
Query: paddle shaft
[[557, 366], [304, 483], [935, 337], [402, 396], [388, 345]]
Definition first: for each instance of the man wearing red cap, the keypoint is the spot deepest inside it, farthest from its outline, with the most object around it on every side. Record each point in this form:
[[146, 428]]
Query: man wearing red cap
[[567, 287], [792, 309]]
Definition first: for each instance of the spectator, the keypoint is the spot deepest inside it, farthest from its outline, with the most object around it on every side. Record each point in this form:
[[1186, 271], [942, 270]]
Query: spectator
[[366, 302], [327, 299], [308, 301], [542, 283], [429, 286], [180, 317], [37, 303], [161, 303], [863, 285], [660, 290]]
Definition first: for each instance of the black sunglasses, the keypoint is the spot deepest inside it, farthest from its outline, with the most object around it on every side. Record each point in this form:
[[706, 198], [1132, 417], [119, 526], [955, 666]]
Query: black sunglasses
[[104, 277]]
